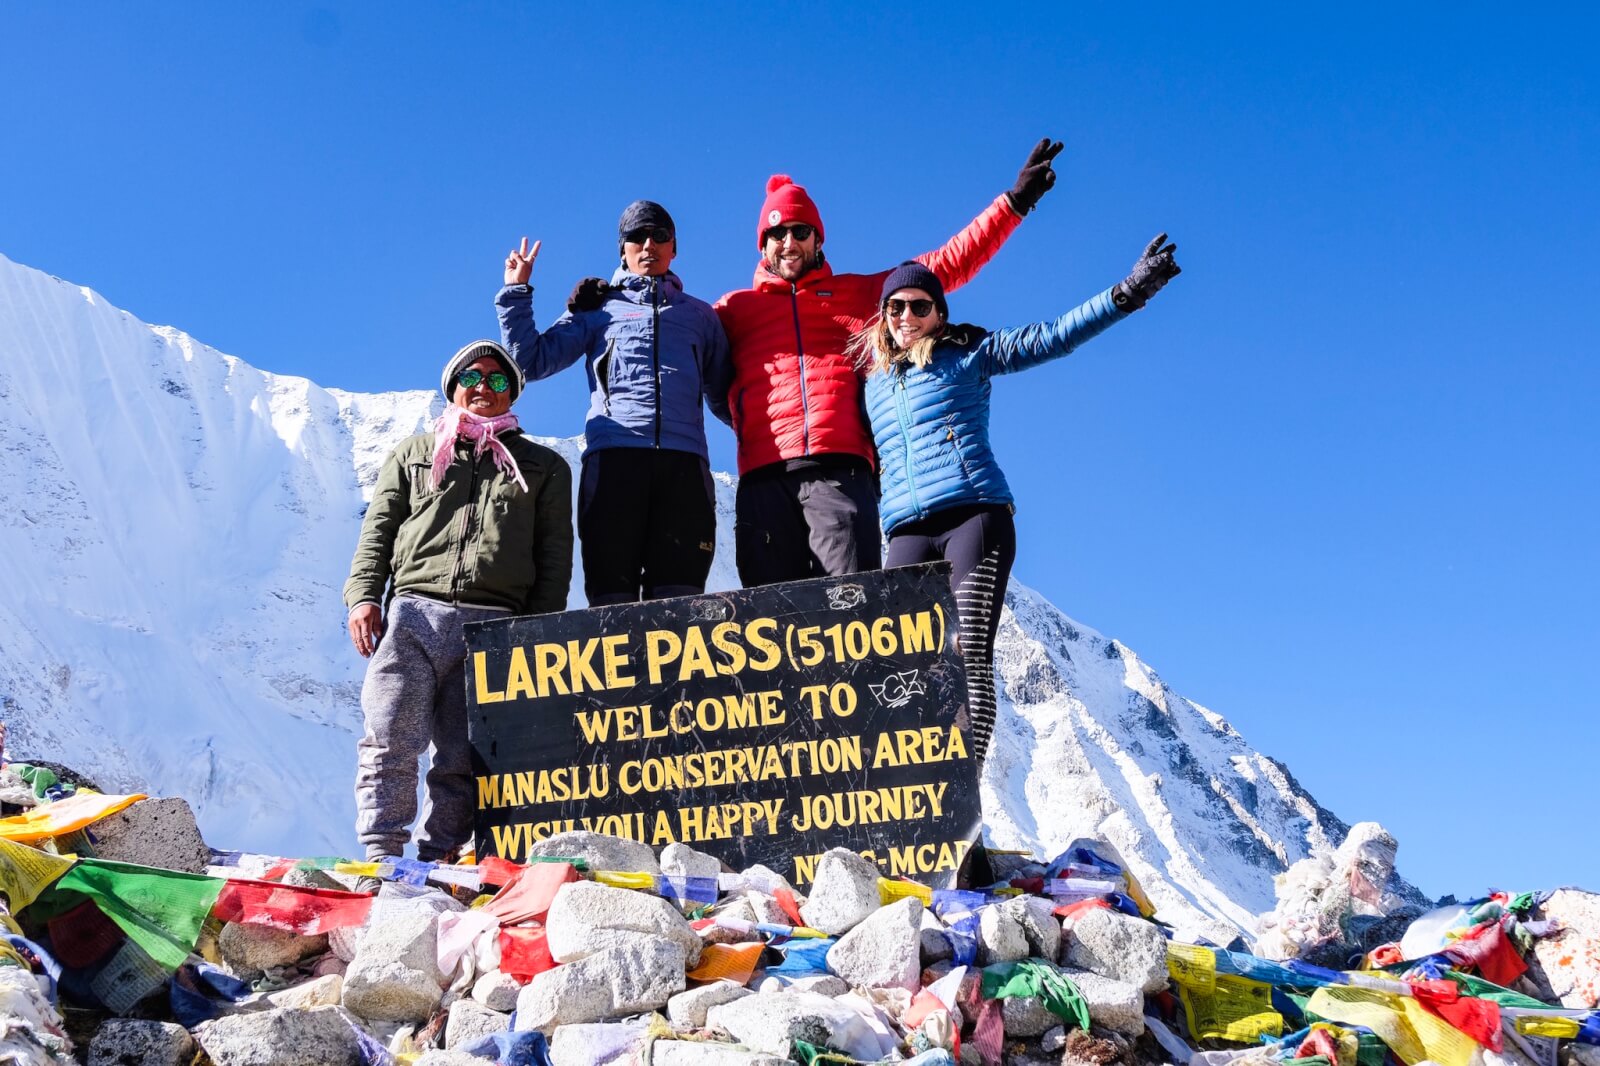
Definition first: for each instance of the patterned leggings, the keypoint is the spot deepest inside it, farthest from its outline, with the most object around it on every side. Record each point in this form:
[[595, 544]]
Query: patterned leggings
[[980, 541]]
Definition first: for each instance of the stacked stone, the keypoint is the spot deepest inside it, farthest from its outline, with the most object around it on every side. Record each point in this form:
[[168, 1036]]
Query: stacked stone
[[619, 987], [620, 984]]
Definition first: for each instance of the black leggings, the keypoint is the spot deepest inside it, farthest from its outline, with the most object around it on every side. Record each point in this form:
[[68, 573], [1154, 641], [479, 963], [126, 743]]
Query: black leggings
[[648, 522], [980, 541]]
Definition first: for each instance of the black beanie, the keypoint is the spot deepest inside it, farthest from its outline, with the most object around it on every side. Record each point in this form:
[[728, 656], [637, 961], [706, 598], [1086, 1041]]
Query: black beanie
[[640, 214], [913, 275]]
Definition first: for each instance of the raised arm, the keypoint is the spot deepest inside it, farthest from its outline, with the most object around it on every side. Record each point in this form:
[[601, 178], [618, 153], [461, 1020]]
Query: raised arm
[[963, 255], [539, 354], [1006, 351]]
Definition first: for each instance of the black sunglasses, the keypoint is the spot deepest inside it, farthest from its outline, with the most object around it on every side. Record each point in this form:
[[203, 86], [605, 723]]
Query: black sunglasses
[[920, 308], [470, 379], [659, 234], [801, 231]]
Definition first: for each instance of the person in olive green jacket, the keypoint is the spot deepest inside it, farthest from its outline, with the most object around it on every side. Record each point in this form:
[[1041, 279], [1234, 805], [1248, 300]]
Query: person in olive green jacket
[[470, 522]]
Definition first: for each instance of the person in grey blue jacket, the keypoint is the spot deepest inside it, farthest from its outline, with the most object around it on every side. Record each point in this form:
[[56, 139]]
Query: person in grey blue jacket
[[646, 503], [927, 396]]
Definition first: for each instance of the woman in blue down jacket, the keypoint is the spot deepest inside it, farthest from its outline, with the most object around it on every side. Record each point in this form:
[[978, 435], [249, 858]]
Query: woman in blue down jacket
[[927, 398], [646, 504]]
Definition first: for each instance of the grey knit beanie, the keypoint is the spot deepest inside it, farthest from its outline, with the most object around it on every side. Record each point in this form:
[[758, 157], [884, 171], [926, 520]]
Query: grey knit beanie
[[470, 354]]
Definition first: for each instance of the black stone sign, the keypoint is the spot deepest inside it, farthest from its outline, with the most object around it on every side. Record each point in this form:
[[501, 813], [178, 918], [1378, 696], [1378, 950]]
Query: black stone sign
[[761, 726]]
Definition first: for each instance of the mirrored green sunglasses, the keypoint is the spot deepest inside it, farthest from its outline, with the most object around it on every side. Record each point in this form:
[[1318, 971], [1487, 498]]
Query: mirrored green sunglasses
[[469, 379]]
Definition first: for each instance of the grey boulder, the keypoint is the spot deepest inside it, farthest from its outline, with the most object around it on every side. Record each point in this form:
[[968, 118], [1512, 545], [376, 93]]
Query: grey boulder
[[884, 951], [843, 894], [639, 976], [587, 917]]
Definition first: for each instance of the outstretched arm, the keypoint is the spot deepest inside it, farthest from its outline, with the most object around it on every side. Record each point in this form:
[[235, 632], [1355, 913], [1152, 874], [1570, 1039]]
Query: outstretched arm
[[539, 354], [963, 255], [1006, 351]]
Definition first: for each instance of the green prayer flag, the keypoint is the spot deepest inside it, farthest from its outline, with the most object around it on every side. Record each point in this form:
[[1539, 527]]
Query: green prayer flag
[[1035, 977], [1473, 985], [160, 910]]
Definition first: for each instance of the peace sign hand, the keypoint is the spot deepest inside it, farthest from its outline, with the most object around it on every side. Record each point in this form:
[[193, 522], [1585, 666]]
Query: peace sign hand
[[519, 263]]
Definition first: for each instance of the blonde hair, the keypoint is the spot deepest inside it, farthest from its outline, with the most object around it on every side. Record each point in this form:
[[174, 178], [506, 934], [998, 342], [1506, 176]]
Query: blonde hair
[[874, 349]]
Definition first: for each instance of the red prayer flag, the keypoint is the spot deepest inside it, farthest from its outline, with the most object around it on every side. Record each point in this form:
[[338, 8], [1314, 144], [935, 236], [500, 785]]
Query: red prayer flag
[[497, 871], [786, 900], [1491, 951], [1478, 1018], [524, 953], [989, 1033], [1081, 907], [1320, 1042], [83, 936], [307, 911], [528, 897]]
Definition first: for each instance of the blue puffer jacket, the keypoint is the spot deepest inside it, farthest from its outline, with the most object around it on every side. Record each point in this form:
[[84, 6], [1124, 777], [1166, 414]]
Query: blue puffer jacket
[[931, 424], [652, 352]]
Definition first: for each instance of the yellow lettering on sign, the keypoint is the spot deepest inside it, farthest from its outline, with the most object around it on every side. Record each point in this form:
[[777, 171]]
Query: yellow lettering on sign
[[869, 806], [480, 679]]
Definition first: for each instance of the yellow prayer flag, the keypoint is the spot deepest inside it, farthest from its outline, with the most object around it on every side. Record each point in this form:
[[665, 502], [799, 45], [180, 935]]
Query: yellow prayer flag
[[890, 891], [64, 815], [1192, 965], [25, 872], [625, 879], [1400, 1022], [1236, 1009], [1556, 1028]]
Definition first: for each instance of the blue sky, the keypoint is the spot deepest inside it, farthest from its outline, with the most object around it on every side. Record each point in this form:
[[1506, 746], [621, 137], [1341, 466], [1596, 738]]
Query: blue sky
[[1338, 482]]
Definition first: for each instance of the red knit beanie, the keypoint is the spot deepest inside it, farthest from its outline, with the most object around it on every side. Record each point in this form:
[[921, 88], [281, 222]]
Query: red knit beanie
[[786, 202]]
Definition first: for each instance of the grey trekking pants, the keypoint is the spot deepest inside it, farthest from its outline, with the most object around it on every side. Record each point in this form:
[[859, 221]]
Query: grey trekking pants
[[414, 699]]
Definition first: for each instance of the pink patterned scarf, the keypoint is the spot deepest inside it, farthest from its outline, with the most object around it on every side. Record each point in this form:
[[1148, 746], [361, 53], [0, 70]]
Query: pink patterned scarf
[[458, 422]]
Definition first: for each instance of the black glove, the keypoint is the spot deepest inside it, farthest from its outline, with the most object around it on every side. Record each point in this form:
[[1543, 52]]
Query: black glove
[[1036, 176], [1154, 269], [589, 295]]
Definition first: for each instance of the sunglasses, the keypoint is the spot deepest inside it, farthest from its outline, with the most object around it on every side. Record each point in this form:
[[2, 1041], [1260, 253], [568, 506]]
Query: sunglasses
[[471, 379], [659, 234], [920, 308], [800, 230]]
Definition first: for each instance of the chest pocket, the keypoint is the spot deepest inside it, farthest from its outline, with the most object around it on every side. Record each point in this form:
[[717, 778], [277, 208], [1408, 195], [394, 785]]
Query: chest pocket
[[508, 495], [421, 477]]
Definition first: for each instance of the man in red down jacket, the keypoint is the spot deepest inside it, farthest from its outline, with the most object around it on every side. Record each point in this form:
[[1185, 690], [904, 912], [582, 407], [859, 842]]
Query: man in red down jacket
[[807, 504]]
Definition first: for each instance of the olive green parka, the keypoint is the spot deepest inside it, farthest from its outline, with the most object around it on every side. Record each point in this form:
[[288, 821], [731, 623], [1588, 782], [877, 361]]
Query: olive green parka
[[478, 539]]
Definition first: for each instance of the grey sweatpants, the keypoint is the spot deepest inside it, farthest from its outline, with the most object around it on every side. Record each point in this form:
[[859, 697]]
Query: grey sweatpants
[[414, 699]]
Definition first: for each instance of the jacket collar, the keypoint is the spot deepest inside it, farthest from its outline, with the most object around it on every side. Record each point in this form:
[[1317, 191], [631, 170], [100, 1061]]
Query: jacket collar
[[767, 281], [636, 287]]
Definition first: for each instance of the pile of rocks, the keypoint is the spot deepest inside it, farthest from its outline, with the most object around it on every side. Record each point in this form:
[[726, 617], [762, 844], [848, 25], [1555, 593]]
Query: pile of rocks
[[420, 982], [857, 969]]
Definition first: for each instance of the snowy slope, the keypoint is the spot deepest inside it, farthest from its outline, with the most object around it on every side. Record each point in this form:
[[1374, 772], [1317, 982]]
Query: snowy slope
[[175, 527]]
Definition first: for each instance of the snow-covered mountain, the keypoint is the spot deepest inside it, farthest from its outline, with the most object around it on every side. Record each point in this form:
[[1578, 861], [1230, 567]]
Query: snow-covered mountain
[[175, 528]]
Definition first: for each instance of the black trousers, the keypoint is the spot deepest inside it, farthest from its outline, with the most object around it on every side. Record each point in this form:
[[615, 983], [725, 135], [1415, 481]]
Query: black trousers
[[819, 519], [648, 522], [980, 542]]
